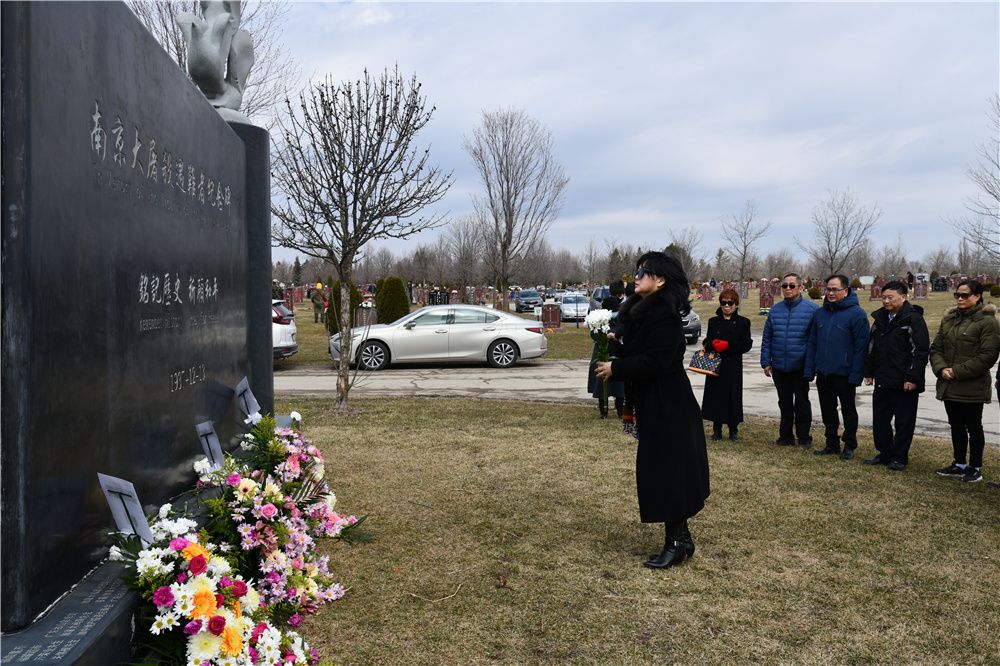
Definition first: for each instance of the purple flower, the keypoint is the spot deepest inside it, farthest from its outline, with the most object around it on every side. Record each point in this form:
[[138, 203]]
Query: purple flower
[[192, 627], [180, 543], [295, 620], [233, 479], [163, 597]]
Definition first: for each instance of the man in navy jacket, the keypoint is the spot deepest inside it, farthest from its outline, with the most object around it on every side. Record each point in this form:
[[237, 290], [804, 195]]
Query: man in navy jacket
[[836, 354], [783, 355]]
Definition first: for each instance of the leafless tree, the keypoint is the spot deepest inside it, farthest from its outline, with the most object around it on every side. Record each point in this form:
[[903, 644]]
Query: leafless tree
[[523, 185], [688, 241], [941, 259], [891, 260], [741, 233], [381, 262], [273, 73], [463, 242], [982, 228], [841, 224], [351, 172], [779, 262], [591, 260]]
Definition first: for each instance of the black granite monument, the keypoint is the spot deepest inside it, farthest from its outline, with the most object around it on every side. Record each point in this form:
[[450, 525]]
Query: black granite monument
[[125, 295]]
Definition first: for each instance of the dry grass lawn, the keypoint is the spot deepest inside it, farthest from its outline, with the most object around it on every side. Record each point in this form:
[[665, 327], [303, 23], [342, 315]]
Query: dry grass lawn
[[508, 533]]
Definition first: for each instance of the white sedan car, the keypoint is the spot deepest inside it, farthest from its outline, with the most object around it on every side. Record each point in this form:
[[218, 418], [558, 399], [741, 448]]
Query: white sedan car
[[445, 333]]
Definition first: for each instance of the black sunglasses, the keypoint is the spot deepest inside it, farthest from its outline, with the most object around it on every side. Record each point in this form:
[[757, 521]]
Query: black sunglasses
[[963, 294], [724, 303], [788, 285], [642, 272]]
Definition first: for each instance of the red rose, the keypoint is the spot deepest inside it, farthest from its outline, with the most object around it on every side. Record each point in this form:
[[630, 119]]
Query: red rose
[[197, 565], [220, 600], [720, 345], [239, 588], [217, 624]]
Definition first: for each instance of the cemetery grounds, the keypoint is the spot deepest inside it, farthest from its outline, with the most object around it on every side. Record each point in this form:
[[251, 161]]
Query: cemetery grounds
[[508, 533]]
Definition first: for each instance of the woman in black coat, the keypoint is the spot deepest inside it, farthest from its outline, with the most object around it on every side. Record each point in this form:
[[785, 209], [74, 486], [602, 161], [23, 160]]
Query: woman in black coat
[[729, 335], [671, 463], [594, 386]]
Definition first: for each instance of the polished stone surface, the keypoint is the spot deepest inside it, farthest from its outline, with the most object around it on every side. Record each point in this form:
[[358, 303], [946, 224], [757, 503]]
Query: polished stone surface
[[124, 284]]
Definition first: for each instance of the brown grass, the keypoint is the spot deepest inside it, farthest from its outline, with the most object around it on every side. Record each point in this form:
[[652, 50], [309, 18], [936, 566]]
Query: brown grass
[[508, 533]]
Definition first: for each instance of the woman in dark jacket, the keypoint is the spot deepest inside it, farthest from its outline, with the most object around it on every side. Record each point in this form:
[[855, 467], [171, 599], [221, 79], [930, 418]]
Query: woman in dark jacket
[[964, 349], [671, 462], [729, 335], [595, 387]]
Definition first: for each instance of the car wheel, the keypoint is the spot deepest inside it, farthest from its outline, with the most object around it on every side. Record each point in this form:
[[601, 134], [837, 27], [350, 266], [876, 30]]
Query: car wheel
[[373, 355], [501, 353]]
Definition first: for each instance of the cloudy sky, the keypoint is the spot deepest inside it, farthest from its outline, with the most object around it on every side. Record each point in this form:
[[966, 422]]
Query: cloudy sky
[[669, 115]]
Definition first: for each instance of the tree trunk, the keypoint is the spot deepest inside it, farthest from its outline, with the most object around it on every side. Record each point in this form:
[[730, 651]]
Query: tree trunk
[[344, 369]]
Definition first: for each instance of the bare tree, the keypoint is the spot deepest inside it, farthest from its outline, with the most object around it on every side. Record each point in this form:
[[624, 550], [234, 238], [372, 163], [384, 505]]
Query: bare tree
[[381, 262], [942, 260], [779, 262], [590, 259], [891, 260], [842, 225], [274, 71], [982, 229], [351, 172], [463, 242], [523, 185], [741, 233], [688, 241]]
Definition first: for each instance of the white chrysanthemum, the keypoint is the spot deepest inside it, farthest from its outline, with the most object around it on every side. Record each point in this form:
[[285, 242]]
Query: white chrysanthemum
[[159, 625], [147, 564], [218, 566], [224, 547], [298, 648], [165, 510], [251, 600], [203, 645], [319, 471], [295, 416], [171, 619], [202, 466], [599, 320], [331, 501], [115, 554]]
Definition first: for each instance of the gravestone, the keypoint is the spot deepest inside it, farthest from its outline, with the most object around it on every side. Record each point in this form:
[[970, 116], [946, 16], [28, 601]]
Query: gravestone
[[130, 304]]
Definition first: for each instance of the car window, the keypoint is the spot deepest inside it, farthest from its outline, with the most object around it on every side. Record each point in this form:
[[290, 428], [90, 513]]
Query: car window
[[491, 317], [574, 299], [469, 317], [529, 294], [432, 319]]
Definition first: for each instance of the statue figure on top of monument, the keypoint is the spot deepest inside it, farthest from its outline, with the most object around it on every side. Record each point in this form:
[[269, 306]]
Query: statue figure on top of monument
[[220, 55]]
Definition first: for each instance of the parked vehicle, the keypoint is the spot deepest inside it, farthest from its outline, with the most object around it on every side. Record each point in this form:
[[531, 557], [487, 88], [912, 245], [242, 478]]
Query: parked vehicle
[[574, 306], [283, 330], [442, 333], [692, 327], [598, 295], [526, 300]]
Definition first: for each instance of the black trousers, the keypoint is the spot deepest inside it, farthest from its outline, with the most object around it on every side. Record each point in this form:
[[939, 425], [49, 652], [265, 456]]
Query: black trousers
[[966, 421], [793, 403], [889, 404], [831, 390]]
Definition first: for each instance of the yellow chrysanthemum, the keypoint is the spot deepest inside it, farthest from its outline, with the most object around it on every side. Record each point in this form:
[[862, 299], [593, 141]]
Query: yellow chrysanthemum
[[194, 550], [204, 604], [232, 642]]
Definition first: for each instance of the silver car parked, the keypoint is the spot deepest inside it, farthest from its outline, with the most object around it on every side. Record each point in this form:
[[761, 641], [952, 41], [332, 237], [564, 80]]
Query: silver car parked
[[445, 333]]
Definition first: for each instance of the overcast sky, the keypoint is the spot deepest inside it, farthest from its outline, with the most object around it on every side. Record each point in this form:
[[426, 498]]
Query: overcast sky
[[669, 115]]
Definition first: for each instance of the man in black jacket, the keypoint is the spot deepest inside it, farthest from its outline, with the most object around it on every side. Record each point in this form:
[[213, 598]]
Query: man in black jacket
[[898, 347]]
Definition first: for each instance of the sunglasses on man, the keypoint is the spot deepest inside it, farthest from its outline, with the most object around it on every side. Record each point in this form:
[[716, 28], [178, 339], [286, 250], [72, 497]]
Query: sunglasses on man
[[789, 285]]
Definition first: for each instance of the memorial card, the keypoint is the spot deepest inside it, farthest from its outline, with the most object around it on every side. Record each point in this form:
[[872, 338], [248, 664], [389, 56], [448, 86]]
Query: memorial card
[[125, 507], [210, 444]]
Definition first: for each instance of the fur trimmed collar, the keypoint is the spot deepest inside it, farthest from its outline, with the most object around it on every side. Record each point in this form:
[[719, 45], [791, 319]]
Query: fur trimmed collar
[[985, 309], [654, 306]]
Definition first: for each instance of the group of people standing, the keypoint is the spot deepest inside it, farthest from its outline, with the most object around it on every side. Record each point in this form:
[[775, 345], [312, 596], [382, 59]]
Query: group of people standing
[[835, 345], [832, 344]]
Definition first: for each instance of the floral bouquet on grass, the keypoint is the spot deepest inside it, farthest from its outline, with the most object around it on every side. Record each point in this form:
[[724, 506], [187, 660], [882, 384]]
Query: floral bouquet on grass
[[275, 501], [201, 614], [599, 323]]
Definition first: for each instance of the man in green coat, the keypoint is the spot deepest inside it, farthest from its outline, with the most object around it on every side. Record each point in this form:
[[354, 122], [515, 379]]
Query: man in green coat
[[963, 352]]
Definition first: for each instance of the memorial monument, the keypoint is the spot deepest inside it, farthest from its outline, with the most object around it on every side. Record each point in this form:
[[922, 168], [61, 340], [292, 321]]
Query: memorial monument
[[136, 282]]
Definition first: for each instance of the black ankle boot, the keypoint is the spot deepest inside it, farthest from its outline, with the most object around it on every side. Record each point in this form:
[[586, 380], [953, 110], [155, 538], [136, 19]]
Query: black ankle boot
[[716, 431], [734, 435], [673, 553]]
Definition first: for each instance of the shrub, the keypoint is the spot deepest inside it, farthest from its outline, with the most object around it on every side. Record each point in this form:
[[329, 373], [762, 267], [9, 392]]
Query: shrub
[[333, 309], [814, 293], [995, 290], [855, 283], [378, 285], [391, 301]]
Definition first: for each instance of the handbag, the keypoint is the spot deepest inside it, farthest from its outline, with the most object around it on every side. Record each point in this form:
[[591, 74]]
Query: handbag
[[705, 363]]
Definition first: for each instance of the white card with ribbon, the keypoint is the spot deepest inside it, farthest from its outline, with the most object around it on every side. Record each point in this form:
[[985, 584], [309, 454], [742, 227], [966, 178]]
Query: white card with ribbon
[[245, 399], [125, 507], [210, 444]]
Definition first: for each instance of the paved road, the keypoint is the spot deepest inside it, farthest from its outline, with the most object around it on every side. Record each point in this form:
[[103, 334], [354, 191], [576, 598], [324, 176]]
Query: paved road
[[565, 381]]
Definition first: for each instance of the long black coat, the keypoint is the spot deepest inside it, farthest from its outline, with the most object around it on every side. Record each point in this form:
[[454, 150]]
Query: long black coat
[[723, 398], [671, 463]]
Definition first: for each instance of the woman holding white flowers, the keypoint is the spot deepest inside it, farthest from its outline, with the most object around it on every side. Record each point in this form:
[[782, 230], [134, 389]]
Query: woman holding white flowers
[[671, 465]]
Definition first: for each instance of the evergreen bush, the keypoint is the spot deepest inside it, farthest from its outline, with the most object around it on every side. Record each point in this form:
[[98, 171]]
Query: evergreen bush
[[855, 283], [995, 290], [333, 309], [814, 293], [391, 301]]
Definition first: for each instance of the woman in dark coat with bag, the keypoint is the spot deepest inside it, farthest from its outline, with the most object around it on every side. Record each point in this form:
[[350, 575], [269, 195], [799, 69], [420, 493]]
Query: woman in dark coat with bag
[[671, 463], [728, 335]]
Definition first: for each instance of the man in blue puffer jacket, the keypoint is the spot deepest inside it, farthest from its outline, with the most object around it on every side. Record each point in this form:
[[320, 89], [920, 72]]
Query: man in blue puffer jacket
[[783, 357], [838, 346]]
